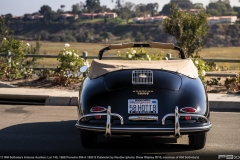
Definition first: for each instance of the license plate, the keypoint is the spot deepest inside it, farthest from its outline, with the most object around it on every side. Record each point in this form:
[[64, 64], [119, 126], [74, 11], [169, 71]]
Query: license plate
[[142, 106]]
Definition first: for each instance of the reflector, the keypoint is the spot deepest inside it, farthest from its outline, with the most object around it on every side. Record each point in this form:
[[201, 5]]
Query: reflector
[[188, 118], [98, 117]]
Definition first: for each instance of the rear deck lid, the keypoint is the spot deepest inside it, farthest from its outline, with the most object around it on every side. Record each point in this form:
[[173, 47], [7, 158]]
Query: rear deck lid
[[150, 79]]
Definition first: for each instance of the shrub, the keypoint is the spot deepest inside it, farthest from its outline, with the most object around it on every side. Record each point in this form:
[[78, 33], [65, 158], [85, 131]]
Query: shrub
[[15, 60], [140, 54], [70, 62], [202, 67], [233, 84], [69, 59], [213, 81]]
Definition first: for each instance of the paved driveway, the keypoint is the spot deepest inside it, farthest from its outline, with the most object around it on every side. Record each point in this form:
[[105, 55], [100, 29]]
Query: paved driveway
[[50, 130]]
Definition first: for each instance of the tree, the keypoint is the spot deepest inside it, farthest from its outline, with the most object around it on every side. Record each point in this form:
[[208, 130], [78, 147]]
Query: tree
[[26, 16], [62, 7], [152, 8], [129, 5], [198, 5], [8, 44], [126, 11], [8, 16], [226, 1], [183, 4], [45, 9], [166, 10], [5, 31], [140, 8], [189, 29], [118, 4], [220, 9], [61, 10], [47, 12], [92, 5], [237, 10], [44, 35], [75, 9], [81, 6], [144, 9]]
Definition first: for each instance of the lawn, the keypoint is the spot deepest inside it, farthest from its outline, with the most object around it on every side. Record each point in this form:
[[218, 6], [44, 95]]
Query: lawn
[[93, 49]]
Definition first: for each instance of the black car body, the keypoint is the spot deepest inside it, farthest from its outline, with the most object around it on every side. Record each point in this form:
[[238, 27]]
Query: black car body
[[164, 98]]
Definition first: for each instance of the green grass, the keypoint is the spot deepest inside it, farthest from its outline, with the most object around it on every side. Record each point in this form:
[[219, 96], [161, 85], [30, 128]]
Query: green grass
[[116, 20], [223, 53], [93, 49], [101, 20], [56, 47], [96, 20]]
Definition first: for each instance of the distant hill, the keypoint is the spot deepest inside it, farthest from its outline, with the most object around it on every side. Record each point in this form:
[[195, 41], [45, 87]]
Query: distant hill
[[114, 32]]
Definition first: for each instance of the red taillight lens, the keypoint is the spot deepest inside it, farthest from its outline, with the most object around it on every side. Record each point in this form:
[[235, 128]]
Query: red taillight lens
[[98, 109], [98, 117], [188, 118], [188, 110]]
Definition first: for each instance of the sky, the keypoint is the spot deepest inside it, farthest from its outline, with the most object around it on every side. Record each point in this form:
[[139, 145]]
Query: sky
[[21, 7]]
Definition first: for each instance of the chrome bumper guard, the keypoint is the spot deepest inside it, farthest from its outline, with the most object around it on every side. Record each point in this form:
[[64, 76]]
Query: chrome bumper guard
[[176, 115], [108, 123]]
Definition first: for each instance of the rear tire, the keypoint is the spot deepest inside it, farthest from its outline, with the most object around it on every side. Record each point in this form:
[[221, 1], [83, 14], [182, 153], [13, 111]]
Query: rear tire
[[197, 141], [88, 139]]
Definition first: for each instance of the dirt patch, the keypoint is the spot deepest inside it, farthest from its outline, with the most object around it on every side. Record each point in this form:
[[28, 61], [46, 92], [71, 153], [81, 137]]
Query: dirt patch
[[43, 83], [219, 87]]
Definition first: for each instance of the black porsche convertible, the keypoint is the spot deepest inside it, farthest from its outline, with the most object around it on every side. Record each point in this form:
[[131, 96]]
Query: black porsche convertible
[[127, 97]]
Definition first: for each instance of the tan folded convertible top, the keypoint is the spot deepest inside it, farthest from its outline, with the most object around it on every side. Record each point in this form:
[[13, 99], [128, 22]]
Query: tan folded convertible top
[[183, 66]]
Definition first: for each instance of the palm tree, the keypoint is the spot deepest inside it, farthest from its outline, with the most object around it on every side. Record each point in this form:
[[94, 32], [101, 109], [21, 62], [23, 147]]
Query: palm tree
[[62, 6]]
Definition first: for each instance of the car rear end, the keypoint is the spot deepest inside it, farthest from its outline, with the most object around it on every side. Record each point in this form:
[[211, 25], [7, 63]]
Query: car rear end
[[127, 103], [128, 98]]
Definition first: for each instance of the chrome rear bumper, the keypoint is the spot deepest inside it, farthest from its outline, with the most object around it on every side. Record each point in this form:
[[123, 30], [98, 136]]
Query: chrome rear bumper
[[177, 130]]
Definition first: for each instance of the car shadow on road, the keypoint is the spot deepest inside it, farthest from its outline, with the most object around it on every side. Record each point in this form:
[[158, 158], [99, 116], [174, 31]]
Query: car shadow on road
[[142, 144], [62, 138]]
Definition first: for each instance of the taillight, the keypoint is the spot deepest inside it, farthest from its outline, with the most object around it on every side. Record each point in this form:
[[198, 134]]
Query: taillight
[[188, 110], [98, 109]]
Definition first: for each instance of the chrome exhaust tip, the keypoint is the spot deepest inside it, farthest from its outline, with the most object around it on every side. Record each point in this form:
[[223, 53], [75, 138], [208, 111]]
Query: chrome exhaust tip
[[177, 135]]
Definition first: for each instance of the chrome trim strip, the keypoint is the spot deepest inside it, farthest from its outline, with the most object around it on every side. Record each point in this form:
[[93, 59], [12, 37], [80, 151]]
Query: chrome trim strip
[[197, 128], [103, 114], [183, 129], [108, 123], [176, 124], [183, 114], [143, 118]]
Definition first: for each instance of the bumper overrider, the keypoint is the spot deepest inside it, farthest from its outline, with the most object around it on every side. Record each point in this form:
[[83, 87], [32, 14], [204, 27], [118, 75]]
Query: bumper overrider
[[176, 131]]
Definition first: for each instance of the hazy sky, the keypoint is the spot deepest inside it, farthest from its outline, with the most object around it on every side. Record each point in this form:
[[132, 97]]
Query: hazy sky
[[20, 7]]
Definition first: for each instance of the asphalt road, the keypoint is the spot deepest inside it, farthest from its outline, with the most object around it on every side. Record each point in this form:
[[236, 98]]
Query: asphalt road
[[50, 130]]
